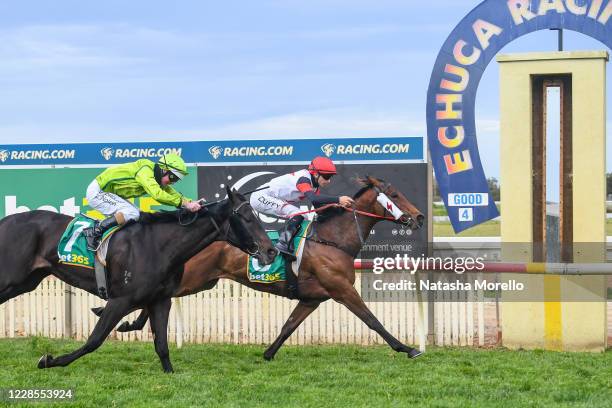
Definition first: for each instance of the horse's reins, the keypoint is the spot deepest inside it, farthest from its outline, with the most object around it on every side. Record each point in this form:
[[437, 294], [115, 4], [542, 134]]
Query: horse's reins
[[355, 213], [360, 212]]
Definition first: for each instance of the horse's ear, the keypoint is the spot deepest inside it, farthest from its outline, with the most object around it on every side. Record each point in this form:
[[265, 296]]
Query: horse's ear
[[372, 181], [363, 181], [230, 193]]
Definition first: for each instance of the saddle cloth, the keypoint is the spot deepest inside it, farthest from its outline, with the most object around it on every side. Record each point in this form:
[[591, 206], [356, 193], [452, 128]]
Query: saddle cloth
[[277, 270], [72, 248]]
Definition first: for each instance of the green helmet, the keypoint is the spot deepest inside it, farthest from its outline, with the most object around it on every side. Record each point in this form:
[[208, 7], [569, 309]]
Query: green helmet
[[173, 163]]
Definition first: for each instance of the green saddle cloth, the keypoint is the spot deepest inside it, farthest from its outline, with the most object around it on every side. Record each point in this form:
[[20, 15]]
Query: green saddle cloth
[[72, 248], [275, 272]]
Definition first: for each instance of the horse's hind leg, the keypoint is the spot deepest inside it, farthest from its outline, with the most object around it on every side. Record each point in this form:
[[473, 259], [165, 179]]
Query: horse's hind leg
[[159, 326], [299, 314], [136, 325], [97, 310], [115, 310], [124, 327]]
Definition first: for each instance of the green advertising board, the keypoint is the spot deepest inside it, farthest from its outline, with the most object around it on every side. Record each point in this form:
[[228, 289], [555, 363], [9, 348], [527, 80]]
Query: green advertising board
[[63, 190]]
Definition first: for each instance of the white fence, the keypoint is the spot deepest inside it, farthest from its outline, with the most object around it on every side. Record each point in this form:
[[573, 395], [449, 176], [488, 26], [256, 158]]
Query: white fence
[[232, 313]]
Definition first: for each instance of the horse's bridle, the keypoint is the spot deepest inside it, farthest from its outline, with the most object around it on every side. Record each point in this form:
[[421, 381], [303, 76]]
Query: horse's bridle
[[398, 220], [359, 232], [252, 248]]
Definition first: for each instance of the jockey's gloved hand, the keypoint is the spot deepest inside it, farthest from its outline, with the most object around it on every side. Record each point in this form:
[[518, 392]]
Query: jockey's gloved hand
[[346, 201], [193, 206]]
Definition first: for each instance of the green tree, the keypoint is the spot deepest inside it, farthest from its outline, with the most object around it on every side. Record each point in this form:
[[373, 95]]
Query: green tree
[[436, 191], [494, 188]]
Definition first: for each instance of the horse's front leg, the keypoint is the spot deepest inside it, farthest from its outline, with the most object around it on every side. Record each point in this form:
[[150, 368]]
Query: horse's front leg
[[343, 292], [299, 314], [114, 311]]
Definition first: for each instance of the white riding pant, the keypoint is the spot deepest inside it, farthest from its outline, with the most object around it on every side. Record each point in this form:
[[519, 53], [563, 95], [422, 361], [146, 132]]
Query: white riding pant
[[109, 203], [264, 203]]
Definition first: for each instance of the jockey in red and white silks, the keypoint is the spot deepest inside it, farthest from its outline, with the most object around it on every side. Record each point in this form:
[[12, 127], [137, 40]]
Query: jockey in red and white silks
[[285, 191]]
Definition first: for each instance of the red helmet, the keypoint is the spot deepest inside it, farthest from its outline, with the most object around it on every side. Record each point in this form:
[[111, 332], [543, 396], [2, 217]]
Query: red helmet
[[322, 165]]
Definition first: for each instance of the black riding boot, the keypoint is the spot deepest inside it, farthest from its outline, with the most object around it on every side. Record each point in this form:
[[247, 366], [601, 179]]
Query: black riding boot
[[94, 236], [285, 242]]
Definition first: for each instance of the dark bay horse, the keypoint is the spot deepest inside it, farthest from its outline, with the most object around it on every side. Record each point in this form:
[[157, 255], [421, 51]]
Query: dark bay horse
[[327, 270], [145, 262]]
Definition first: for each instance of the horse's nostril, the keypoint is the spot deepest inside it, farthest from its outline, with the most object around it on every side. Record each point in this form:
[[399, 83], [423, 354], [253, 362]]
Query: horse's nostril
[[272, 252]]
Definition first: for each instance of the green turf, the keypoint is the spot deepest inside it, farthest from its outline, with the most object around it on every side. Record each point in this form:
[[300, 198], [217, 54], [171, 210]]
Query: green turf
[[129, 374], [439, 210], [487, 229]]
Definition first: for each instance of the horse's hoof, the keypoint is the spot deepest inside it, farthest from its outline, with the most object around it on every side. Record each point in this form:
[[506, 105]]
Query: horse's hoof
[[44, 361], [97, 310], [414, 353], [268, 357], [124, 327]]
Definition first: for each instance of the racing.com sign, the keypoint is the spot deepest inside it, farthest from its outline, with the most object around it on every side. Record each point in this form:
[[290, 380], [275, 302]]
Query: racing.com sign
[[217, 152], [108, 153], [329, 149], [46, 154]]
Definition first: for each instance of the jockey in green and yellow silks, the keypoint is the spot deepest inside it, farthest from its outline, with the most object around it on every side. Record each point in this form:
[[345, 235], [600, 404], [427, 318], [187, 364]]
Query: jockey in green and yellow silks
[[108, 192]]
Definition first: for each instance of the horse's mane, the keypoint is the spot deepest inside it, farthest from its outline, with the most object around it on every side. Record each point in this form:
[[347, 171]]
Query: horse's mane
[[159, 217], [173, 216], [361, 191]]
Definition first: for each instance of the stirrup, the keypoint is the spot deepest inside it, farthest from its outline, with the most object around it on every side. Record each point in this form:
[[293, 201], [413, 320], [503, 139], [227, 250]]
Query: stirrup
[[93, 243], [285, 251]]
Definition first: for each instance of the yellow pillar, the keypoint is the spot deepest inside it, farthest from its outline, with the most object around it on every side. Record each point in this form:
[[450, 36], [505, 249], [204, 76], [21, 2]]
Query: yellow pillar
[[554, 312]]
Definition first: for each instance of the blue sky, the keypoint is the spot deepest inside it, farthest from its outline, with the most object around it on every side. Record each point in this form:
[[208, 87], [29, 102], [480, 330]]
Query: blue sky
[[117, 71]]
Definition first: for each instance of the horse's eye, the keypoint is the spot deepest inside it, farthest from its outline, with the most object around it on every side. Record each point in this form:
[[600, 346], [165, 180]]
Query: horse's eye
[[394, 195]]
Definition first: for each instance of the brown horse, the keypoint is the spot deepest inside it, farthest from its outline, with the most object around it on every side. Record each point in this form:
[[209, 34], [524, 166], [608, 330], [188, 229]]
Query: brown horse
[[327, 268]]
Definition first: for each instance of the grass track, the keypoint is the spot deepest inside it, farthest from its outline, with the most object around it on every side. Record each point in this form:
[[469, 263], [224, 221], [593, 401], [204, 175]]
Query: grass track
[[487, 229], [129, 374]]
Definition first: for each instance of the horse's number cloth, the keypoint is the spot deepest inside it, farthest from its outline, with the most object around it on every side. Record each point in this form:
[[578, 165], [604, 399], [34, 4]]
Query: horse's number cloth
[[72, 248], [275, 272]]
